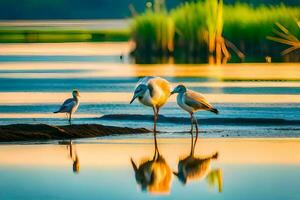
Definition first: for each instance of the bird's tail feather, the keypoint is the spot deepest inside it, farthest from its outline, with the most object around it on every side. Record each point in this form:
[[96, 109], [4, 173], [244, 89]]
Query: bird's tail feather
[[215, 155], [56, 111], [214, 110]]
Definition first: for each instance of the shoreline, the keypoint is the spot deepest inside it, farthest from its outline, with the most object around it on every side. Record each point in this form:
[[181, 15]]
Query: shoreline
[[242, 121], [44, 132]]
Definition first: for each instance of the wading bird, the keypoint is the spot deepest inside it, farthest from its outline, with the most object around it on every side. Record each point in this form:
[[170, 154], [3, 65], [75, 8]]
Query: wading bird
[[153, 92], [192, 102], [70, 105]]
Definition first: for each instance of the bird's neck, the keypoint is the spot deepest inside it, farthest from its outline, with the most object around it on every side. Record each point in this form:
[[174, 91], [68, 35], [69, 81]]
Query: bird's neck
[[76, 98], [181, 94]]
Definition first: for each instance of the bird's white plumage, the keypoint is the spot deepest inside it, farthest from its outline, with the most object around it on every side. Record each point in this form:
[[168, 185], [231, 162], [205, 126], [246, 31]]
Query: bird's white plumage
[[69, 106], [191, 101], [158, 93], [146, 99], [182, 104], [153, 92]]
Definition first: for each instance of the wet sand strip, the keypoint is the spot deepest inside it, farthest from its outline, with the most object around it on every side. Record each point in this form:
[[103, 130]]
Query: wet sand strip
[[34, 132]]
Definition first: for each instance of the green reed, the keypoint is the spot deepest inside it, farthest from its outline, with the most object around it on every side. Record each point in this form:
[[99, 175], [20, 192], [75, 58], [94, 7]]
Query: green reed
[[153, 32], [11, 35], [193, 28], [248, 27]]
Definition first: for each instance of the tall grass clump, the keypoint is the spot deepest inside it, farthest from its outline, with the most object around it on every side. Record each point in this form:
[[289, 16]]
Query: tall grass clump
[[189, 23], [249, 26], [153, 34], [284, 36], [200, 30]]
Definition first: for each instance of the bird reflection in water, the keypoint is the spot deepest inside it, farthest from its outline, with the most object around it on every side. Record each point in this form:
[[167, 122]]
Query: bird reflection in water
[[153, 175], [196, 168], [74, 157]]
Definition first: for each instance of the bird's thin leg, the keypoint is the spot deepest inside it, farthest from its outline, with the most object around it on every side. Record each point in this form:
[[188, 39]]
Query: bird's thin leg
[[67, 115], [192, 145], [154, 154], [192, 136], [155, 141], [192, 123], [156, 149], [70, 118], [158, 154], [71, 151], [155, 110], [197, 131], [154, 119]]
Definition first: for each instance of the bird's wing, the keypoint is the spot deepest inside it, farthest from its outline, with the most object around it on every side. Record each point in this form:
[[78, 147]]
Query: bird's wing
[[196, 100], [163, 85], [70, 100], [67, 104]]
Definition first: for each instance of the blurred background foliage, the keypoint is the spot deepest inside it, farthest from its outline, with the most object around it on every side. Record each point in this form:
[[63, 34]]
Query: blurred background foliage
[[202, 30], [189, 31], [92, 9]]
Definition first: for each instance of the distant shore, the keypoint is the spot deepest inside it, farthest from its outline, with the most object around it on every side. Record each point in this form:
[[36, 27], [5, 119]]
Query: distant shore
[[35, 132], [241, 121]]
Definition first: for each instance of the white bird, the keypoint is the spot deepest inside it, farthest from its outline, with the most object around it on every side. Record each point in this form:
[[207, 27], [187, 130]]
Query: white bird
[[70, 105], [153, 92], [192, 102]]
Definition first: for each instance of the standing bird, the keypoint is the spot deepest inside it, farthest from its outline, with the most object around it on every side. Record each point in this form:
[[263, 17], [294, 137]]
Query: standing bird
[[192, 102], [70, 105], [154, 92]]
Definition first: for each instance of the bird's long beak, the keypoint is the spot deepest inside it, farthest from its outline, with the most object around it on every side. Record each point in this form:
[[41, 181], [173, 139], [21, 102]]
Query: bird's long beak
[[172, 92], [133, 165], [133, 98]]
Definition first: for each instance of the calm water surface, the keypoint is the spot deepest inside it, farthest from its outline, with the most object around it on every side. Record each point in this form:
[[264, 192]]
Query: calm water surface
[[36, 78], [255, 100], [102, 169]]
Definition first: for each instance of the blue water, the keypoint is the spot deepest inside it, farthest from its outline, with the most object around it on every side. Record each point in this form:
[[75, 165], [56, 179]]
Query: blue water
[[113, 84], [105, 170], [247, 181], [240, 182], [263, 112]]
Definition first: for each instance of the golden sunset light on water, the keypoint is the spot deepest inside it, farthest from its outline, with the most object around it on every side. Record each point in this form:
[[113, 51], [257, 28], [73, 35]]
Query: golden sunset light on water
[[245, 151], [155, 99]]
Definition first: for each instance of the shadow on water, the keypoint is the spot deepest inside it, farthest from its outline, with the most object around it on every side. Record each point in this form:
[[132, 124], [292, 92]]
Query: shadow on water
[[73, 156], [154, 175], [197, 168]]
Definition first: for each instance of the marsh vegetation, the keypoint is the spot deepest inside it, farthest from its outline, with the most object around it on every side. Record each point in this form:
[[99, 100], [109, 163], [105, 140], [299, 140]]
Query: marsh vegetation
[[209, 31]]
